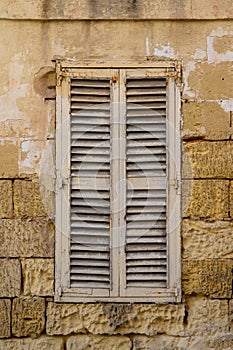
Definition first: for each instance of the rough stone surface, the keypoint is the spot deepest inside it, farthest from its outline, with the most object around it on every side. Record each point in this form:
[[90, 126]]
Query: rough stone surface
[[9, 154], [198, 160], [231, 199], [105, 319], [10, 277], [160, 342], [207, 240], [205, 198], [5, 318], [83, 342], [206, 317], [27, 199], [224, 342], [38, 277], [26, 238], [43, 343], [231, 314], [28, 317], [212, 277], [205, 120], [196, 342], [6, 203]]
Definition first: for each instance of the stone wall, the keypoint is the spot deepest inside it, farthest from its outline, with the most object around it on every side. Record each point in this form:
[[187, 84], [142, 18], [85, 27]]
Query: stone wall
[[201, 37]]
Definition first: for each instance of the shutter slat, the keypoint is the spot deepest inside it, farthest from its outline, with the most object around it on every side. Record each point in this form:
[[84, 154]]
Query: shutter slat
[[146, 91], [90, 188], [146, 241], [145, 83], [89, 91]]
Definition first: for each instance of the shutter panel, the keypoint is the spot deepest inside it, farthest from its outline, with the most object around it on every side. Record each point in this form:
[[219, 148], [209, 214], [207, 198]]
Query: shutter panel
[[146, 167], [117, 198], [90, 184]]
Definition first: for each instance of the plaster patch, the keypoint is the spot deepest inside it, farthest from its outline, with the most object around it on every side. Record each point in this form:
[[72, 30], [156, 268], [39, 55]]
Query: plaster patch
[[14, 89], [189, 67], [199, 54], [212, 54], [227, 105], [164, 51], [147, 47], [30, 155], [47, 167]]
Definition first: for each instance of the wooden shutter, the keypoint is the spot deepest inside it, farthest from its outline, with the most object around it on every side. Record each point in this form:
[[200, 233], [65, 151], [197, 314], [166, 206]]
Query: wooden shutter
[[146, 242], [90, 183], [116, 199]]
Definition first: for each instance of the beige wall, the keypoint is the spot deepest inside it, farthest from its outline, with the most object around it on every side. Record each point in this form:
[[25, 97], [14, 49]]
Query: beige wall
[[28, 44]]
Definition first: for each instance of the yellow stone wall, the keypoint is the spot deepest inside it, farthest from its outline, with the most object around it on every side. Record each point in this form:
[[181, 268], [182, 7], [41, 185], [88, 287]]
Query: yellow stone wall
[[33, 33]]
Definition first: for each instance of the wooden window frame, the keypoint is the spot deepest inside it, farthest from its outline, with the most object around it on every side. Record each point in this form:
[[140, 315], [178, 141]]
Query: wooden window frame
[[63, 293]]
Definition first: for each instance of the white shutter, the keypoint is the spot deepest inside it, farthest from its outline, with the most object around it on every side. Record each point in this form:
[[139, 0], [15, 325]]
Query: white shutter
[[90, 204], [146, 164], [121, 148]]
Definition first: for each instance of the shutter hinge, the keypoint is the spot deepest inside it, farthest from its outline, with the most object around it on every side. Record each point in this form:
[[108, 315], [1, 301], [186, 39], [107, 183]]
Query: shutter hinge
[[60, 180]]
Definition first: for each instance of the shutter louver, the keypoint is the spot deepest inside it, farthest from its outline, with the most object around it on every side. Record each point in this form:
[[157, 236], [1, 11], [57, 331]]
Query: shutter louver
[[90, 183], [146, 241]]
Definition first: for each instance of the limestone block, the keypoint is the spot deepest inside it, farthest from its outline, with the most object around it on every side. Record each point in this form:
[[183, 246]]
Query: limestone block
[[10, 277], [231, 314], [153, 319], [38, 277], [28, 317], [231, 199], [208, 160], [83, 342], [207, 240], [206, 317], [114, 319], [224, 342], [212, 278], [27, 199], [205, 120], [205, 198], [14, 129], [43, 343], [26, 238], [211, 81], [73, 318], [6, 203], [9, 156], [5, 322], [160, 342]]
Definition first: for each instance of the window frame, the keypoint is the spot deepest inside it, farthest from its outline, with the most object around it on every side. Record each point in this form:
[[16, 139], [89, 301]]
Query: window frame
[[66, 70]]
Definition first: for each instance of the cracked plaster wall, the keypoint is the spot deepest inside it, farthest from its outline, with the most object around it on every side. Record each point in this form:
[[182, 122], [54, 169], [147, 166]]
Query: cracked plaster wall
[[30, 318]]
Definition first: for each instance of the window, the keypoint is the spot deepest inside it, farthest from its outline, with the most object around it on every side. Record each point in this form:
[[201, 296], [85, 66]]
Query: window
[[118, 188]]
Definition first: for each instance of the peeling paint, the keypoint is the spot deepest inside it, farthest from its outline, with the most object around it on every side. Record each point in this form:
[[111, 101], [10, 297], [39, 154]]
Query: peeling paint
[[47, 167], [13, 90], [227, 105], [212, 54], [189, 67], [147, 47], [30, 156], [199, 54], [164, 51]]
